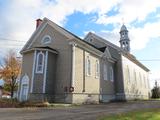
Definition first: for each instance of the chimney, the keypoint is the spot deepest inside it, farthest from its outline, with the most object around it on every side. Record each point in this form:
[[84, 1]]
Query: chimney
[[38, 23]]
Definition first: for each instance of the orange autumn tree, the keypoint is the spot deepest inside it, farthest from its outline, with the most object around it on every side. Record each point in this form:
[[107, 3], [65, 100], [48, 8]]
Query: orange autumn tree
[[10, 70]]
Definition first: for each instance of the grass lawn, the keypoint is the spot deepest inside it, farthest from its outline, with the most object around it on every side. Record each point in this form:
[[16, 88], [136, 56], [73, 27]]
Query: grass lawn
[[149, 114]]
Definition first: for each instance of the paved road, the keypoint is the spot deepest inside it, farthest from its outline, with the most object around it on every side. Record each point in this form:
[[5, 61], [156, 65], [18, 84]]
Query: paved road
[[84, 112]]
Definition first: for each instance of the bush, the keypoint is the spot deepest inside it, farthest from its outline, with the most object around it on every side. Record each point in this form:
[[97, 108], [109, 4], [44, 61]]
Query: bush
[[13, 103], [8, 103], [156, 92]]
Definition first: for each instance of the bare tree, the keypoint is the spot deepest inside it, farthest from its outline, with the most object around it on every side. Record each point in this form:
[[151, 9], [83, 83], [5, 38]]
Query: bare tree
[[10, 70]]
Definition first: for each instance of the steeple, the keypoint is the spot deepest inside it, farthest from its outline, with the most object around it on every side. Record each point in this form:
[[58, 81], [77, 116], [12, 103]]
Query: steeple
[[124, 39]]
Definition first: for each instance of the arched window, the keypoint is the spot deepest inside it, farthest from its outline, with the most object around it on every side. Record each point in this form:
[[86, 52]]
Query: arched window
[[88, 66], [135, 77], [46, 39], [144, 79], [24, 88], [40, 62], [97, 68], [140, 79], [128, 74], [111, 74], [105, 72]]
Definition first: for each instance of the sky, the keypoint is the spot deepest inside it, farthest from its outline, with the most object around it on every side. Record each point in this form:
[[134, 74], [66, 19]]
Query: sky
[[102, 17]]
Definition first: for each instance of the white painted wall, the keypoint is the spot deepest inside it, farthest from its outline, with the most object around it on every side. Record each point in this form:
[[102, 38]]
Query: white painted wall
[[136, 81]]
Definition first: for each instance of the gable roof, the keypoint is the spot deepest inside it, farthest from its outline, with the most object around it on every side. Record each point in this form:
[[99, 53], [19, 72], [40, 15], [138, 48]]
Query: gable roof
[[65, 32], [103, 40], [38, 31], [118, 49]]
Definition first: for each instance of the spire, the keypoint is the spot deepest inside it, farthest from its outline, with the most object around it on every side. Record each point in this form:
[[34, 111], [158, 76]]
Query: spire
[[124, 39]]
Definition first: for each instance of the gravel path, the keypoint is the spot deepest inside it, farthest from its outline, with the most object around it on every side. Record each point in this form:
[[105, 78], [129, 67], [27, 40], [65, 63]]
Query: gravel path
[[84, 112]]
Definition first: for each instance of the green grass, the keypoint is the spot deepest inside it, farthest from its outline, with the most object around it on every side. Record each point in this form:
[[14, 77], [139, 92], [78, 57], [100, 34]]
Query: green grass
[[150, 114]]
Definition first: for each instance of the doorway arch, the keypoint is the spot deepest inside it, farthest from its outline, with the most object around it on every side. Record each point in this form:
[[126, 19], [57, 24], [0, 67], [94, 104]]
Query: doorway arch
[[24, 88]]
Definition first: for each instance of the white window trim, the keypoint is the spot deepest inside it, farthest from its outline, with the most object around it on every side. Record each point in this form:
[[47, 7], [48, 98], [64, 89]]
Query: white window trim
[[43, 39], [97, 66], [40, 53], [144, 80], [24, 81], [128, 74], [140, 79], [45, 72], [111, 74], [135, 77], [105, 72], [88, 72]]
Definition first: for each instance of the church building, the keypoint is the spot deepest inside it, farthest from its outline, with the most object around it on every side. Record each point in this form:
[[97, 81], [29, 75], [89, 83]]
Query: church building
[[58, 66]]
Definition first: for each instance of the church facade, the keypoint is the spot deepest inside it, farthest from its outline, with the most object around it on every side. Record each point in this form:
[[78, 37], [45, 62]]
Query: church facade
[[58, 66]]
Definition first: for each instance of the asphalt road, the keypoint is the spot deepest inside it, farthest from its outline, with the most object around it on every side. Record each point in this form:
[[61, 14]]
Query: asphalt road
[[84, 112]]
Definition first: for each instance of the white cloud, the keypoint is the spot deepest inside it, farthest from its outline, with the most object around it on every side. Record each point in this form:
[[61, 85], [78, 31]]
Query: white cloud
[[18, 17], [141, 36], [112, 36], [131, 10], [154, 76]]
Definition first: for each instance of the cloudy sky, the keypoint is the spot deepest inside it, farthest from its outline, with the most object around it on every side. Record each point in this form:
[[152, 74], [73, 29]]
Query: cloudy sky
[[103, 17]]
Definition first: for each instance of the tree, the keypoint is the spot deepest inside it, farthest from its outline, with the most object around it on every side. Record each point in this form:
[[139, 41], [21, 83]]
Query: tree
[[10, 70], [156, 91]]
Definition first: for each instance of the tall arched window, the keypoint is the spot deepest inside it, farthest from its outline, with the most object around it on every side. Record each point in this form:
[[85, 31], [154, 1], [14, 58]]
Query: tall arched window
[[97, 68], [40, 62], [105, 72], [144, 80], [88, 66], [24, 88], [111, 74], [135, 77], [140, 79], [128, 74]]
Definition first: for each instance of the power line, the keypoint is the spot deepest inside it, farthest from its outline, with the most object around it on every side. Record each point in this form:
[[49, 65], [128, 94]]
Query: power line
[[8, 39], [2, 39], [12, 45], [149, 60]]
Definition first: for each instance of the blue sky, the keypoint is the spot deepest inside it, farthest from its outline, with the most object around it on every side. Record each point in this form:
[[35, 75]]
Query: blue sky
[[103, 17]]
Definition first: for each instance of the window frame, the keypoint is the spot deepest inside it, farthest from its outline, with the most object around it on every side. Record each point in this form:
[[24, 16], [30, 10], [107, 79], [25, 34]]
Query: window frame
[[135, 77], [43, 39], [97, 66], [105, 72], [37, 62], [128, 74], [140, 79], [111, 74], [88, 66]]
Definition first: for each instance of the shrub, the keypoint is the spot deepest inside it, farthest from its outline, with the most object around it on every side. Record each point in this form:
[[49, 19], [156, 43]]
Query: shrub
[[156, 91]]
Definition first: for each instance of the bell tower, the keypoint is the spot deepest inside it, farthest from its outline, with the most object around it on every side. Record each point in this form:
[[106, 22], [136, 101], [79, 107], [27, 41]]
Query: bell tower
[[124, 39]]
